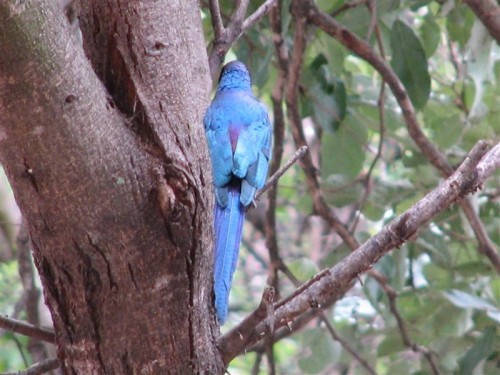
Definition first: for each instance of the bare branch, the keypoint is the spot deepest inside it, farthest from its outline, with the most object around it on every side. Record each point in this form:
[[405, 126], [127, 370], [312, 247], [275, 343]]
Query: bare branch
[[345, 344], [258, 14], [327, 285], [489, 163], [224, 37], [292, 92], [407, 341], [488, 11], [239, 13], [245, 330], [256, 365], [216, 16], [277, 98], [280, 172], [26, 329], [347, 6], [320, 314], [38, 368], [381, 106], [31, 293]]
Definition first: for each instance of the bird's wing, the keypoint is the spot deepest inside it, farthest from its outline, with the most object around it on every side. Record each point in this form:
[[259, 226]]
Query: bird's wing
[[219, 146], [251, 157]]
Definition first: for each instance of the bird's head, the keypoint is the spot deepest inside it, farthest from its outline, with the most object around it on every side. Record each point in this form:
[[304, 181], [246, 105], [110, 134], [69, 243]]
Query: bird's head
[[234, 75]]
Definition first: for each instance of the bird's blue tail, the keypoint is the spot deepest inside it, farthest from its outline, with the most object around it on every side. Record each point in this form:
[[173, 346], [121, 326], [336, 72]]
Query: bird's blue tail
[[228, 225]]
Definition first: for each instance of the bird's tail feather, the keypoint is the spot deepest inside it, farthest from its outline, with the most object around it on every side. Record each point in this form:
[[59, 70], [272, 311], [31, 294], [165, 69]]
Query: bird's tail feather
[[228, 226]]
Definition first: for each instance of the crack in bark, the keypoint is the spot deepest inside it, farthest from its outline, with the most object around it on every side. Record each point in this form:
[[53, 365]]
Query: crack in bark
[[93, 285], [124, 359], [50, 286], [112, 283], [28, 174], [132, 277]]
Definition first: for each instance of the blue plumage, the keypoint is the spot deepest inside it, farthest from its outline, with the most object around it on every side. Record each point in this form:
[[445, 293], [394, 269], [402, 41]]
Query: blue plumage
[[239, 139]]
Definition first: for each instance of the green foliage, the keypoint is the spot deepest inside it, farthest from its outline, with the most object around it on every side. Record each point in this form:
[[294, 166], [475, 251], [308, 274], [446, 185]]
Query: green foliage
[[321, 351], [448, 294], [410, 64], [342, 152], [479, 351], [10, 356], [10, 294], [11, 289]]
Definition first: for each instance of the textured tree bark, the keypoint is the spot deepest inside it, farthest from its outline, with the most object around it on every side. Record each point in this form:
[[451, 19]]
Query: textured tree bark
[[488, 11], [108, 163]]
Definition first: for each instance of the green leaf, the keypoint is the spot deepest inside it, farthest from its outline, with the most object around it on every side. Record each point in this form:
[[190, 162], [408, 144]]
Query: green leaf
[[374, 211], [328, 97], [479, 351], [334, 52], [322, 351], [470, 301], [479, 68], [459, 24], [416, 4], [410, 64], [328, 5], [430, 34], [391, 344], [303, 268], [467, 300], [447, 130], [343, 152]]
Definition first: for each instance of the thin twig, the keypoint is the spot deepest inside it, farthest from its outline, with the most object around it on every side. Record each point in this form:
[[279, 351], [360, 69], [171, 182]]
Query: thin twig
[[224, 37], [347, 6], [277, 98], [216, 16], [372, 7], [274, 178], [26, 329], [258, 14], [38, 368], [31, 292], [292, 91], [345, 344], [407, 341], [329, 326], [257, 363], [381, 108]]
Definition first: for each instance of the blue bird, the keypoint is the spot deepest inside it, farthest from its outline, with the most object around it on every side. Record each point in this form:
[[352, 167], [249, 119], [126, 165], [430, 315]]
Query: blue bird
[[239, 137]]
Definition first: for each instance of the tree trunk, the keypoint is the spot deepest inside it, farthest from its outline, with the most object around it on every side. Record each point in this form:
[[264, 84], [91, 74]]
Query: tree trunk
[[108, 163]]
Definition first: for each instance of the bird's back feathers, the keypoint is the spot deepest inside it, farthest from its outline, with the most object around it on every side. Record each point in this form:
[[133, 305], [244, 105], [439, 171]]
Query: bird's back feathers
[[239, 137]]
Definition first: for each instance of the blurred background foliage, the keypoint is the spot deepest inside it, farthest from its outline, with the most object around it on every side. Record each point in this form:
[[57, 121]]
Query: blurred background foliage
[[448, 293]]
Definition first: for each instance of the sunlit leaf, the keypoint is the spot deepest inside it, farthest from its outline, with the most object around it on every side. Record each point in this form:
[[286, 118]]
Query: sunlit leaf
[[479, 68], [470, 301]]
